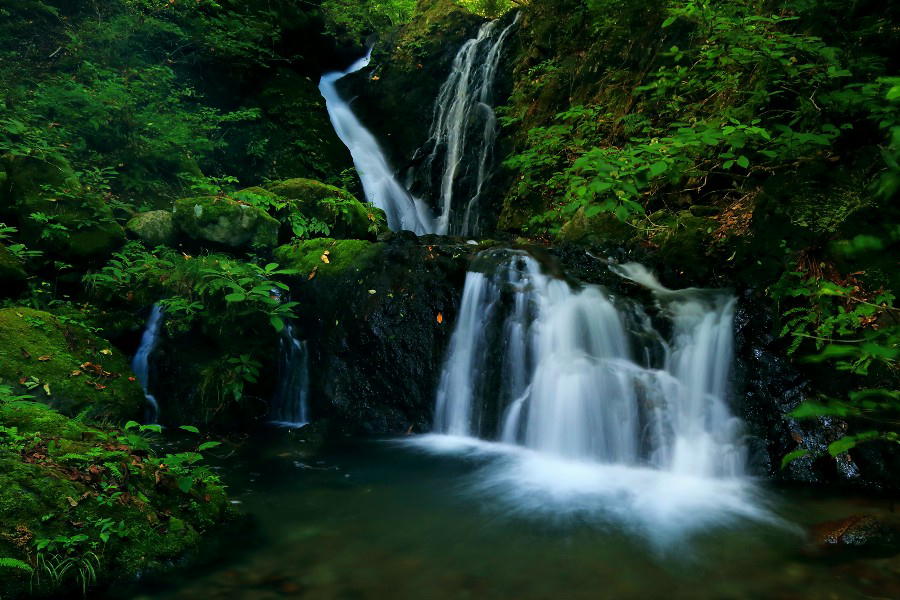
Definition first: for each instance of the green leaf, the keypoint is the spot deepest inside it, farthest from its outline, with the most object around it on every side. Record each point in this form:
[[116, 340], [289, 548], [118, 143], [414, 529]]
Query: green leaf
[[743, 161], [658, 168], [208, 445], [189, 428], [13, 563], [236, 297], [792, 456], [185, 484], [668, 22]]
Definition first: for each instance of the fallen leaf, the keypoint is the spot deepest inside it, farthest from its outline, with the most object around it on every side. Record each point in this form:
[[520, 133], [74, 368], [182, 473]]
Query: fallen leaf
[[132, 379], [440, 317], [372, 292], [72, 501], [106, 351], [44, 358], [312, 274], [47, 388], [325, 259], [75, 373]]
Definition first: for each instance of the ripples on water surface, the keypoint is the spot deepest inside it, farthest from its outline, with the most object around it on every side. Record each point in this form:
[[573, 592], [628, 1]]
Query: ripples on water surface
[[444, 518]]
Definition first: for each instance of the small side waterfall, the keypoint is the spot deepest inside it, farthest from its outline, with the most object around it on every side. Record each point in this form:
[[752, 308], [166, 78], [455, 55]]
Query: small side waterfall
[[379, 183], [464, 129], [570, 373], [290, 405], [140, 364]]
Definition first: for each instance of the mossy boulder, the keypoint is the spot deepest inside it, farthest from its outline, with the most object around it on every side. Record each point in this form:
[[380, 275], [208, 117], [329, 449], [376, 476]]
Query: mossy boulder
[[50, 488], [154, 228], [65, 366], [225, 222], [603, 228], [327, 257], [12, 271], [345, 216], [50, 187]]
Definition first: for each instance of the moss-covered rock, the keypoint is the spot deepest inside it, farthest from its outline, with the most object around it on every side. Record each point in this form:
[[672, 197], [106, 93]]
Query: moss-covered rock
[[345, 216], [66, 367], [603, 228], [225, 222], [327, 257], [50, 187], [55, 471], [154, 228]]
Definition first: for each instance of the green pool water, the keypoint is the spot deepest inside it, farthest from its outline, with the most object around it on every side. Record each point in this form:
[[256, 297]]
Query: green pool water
[[384, 520]]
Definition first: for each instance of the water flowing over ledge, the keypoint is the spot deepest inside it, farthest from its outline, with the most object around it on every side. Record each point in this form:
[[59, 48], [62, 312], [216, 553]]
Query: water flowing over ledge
[[464, 130], [140, 364], [581, 405], [404, 212]]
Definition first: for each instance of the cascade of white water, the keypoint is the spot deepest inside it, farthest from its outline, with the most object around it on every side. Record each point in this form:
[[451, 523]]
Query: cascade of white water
[[569, 383], [140, 364], [290, 405], [379, 183], [463, 116]]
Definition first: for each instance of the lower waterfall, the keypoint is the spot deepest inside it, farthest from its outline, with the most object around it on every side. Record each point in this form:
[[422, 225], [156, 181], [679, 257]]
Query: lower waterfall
[[290, 405], [591, 399], [140, 364]]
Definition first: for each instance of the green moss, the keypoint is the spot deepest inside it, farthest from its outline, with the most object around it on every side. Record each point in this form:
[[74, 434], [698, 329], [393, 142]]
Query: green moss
[[343, 255], [46, 493], [599, 229], [39, 351], [345, 216], [226, 222]]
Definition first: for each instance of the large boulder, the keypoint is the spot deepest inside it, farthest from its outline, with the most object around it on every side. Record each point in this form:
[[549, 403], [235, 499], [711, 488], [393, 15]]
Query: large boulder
[[225, 222], [344, 215], [49, 187], [377, 318], [154, 228], [65, 366]]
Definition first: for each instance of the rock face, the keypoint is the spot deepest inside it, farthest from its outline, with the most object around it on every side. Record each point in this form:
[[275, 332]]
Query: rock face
[[869, 534], [225, 222], [342, 214], [377, 318], [66, 367], [154, 228]]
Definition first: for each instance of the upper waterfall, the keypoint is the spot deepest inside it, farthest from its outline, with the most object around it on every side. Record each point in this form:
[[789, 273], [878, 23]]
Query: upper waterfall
[[464, 129], [379, 183], [537, 363]]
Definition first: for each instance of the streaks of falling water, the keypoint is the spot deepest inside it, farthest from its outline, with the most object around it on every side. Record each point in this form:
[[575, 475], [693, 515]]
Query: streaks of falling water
[[463, 117], [290, 405], [404, 212], [140, 364], [569, 386]]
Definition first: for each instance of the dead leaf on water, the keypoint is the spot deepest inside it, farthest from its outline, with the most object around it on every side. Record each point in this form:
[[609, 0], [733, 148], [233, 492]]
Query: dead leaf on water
[[440, 318]]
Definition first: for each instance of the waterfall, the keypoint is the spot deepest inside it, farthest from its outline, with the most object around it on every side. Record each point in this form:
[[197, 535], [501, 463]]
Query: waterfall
[[290, 404], [379, 183], [573, 374], [140, 364], [463, 118]]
